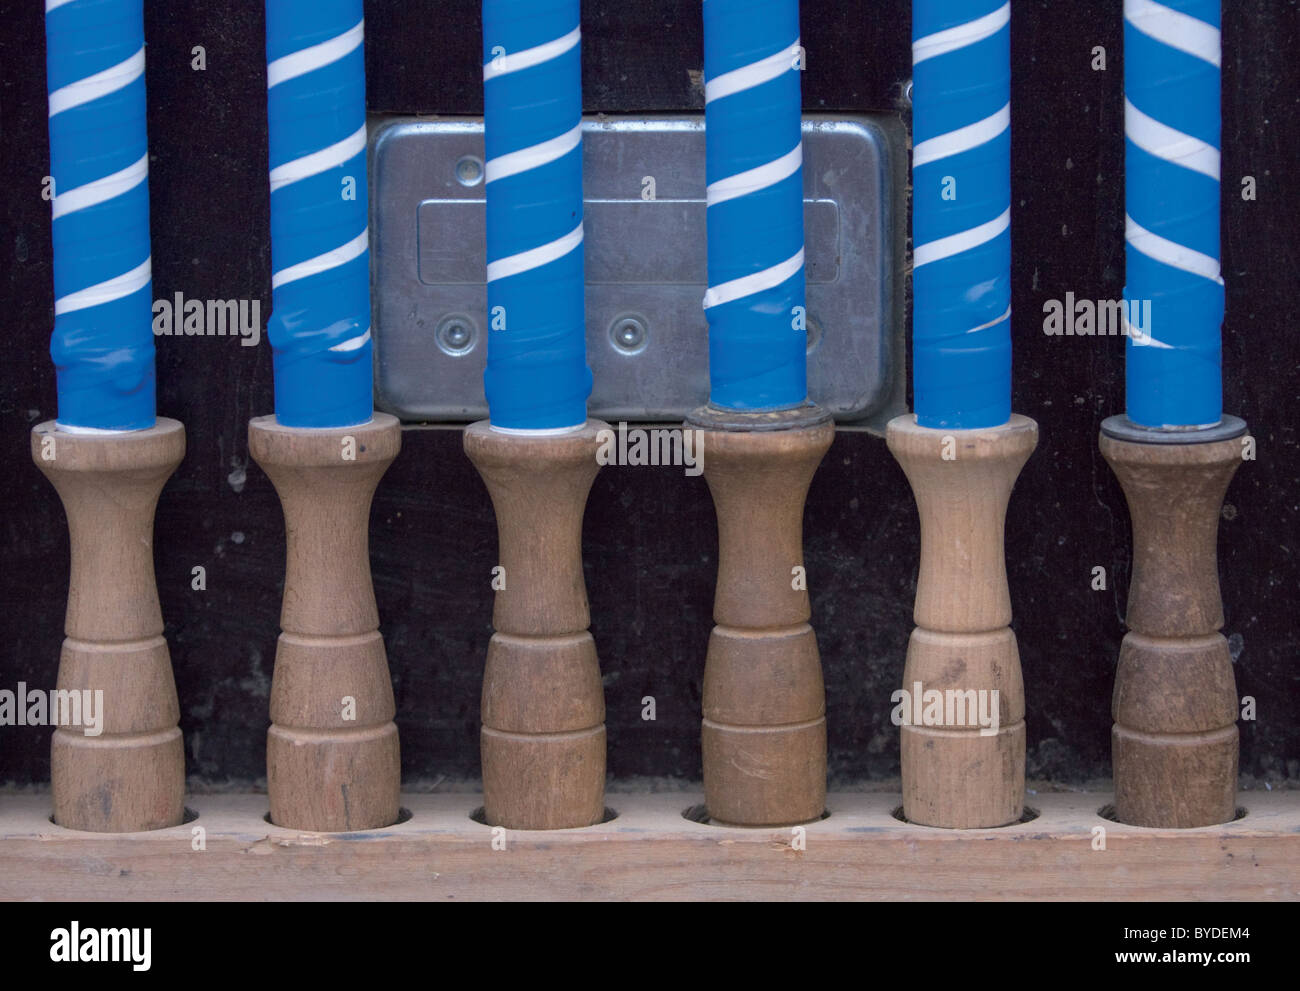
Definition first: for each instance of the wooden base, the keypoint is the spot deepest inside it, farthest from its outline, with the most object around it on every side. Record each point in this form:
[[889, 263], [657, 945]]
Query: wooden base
[[764, 727], [958, 772], [543, 707], [332, 757], [650, 852], [1174, 744], [132, 775]]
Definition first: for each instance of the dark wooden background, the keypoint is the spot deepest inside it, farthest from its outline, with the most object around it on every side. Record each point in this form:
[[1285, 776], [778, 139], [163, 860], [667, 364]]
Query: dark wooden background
[[650, 535]]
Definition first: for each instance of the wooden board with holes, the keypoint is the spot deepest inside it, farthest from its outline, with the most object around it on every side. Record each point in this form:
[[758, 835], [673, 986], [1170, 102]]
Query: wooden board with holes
[[649, 851]]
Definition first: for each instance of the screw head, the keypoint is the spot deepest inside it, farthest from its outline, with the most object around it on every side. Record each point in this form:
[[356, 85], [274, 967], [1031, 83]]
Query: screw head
[[455, 334], [469, 171], [628, 333]]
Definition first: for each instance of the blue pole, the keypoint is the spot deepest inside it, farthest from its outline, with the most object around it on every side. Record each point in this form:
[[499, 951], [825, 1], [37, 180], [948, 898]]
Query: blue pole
[[1172, 125], [961, 213], [102, 343], [537, 376], [754, 156], [320, 282]]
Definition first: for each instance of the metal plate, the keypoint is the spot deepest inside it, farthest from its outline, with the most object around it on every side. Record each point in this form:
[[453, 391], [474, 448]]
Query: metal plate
[[645, 265]]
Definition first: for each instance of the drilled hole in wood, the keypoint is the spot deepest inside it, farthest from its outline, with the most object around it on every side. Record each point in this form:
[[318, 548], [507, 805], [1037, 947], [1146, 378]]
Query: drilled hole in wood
[[700, 813], [403, 815], [189, 817], [1028, 815], [1108, 813], [479, 815]]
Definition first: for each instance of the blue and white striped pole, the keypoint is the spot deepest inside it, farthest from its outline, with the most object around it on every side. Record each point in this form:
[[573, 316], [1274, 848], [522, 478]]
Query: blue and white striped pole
[[325, 448], [1172, 125], [107, 454], [316, 109], [763, 732], [755, 301], [543, 705], [1174, 744], [102, 344], [961, 213], [537, 376], [963, 449]]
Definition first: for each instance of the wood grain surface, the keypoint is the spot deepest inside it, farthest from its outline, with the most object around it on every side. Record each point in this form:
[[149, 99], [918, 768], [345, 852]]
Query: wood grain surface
[[650, 852], [332, 752], [131, 774], [1175, 740]]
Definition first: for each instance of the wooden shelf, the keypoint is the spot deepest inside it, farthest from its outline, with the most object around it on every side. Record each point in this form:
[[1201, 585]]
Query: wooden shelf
[[650, 852]]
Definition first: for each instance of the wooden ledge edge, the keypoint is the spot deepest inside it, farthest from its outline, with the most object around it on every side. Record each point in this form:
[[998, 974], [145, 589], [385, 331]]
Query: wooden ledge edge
[[650, 852]]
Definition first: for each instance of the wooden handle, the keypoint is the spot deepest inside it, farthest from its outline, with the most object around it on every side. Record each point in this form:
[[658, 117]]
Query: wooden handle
[[543, 736], [131, 776], [764, 728], [1174, 743], [959, 772], [332, 757]]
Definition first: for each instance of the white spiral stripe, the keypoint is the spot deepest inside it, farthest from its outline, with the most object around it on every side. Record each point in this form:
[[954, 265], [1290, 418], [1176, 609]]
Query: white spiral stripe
[[955, 244], [106, 292], [525, 261], [504, 64], [1139, 337], [1171, 145], [1171, 253], [323, 263], [961, 140], [754, 74], [319, 161], [307, 60], [532, 157], [970, 33], [353, 343], [752, 180], [1176, 29], [992, 323], [748, 285], [110, 80], [101, 190]]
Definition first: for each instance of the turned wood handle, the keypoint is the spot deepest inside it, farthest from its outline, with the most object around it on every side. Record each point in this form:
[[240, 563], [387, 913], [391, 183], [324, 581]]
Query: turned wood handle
[[543, 706], [1174, 745], [333, 760], [131, 776], [960, 772], [764, 727]]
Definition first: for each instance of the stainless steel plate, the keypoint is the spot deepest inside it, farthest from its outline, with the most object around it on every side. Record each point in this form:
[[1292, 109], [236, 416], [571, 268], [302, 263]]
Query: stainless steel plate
[[645, 262]]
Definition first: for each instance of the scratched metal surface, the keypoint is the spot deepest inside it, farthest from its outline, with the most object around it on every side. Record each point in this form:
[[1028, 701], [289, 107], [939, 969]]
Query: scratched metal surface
[[650, 534]]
